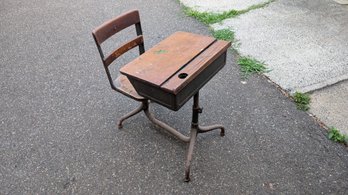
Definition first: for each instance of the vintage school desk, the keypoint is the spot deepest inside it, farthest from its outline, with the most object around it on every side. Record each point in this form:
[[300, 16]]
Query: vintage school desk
[[172, 72]]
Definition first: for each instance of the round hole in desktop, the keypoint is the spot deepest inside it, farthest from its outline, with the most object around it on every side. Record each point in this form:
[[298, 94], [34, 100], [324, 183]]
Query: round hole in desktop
[[182, 75]]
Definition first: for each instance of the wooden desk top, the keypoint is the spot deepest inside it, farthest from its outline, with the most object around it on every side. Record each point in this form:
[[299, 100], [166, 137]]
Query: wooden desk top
[[175, 61]]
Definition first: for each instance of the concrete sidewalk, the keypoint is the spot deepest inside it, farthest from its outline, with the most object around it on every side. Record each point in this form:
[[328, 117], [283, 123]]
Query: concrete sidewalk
[[304, 43], [58, 116]]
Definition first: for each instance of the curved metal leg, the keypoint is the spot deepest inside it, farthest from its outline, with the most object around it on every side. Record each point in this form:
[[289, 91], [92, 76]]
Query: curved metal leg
[[189, 154], [134, 112], [204, 129], [164, 125]]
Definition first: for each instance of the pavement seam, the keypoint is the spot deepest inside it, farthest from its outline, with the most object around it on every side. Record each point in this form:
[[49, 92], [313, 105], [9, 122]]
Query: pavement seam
[[324, 84]]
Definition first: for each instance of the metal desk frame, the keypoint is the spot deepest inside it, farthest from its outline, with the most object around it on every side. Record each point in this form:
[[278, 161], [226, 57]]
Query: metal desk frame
[[195, 128]]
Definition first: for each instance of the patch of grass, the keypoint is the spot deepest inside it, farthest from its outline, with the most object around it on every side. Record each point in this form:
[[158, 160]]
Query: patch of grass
[[224, 34], [302, 101], [250, 66], [336, 136], [211, 18]]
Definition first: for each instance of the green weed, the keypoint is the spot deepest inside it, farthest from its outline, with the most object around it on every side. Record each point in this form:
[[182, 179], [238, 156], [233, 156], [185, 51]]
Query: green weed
[[302, 101], [211, 18], [336, 136], [250, 66], [224, 34]]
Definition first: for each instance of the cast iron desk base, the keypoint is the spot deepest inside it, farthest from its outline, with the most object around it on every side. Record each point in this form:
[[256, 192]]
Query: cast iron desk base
[[195, 128]]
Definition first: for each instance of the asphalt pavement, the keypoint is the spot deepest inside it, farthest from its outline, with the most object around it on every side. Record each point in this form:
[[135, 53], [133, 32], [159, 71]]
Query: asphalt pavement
[[58, 132]]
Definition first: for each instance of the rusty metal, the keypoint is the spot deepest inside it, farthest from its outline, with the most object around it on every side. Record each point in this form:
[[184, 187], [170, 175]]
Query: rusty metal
[[192, 143], [173, 72], [195, 129], [168, 128], [132, 113]]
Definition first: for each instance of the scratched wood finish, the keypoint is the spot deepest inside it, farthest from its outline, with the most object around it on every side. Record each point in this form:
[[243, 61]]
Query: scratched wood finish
[[111, 27], [176, 101], [123, 49], [159, 63], [195, 67], [124, 86]]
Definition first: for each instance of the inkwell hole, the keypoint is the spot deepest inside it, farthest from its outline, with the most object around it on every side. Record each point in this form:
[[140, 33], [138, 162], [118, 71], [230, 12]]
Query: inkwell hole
[[182, 75]]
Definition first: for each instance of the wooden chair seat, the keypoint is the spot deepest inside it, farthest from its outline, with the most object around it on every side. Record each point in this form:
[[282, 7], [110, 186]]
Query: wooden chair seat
[[124, 86]]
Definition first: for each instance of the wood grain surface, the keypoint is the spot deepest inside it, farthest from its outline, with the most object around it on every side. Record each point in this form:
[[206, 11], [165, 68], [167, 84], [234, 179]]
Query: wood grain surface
[[161, 62]]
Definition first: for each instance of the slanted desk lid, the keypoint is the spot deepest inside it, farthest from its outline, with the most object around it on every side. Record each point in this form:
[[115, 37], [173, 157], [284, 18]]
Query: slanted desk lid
[[166, 58], [195, 67]]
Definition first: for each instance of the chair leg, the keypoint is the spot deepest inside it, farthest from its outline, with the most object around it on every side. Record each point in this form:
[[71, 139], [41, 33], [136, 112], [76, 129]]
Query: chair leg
[[204, 129], [134, 112]]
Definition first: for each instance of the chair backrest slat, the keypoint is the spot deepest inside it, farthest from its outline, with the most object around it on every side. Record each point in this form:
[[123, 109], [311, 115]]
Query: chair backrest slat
[[115, 25], [110, 28], [123, 49]]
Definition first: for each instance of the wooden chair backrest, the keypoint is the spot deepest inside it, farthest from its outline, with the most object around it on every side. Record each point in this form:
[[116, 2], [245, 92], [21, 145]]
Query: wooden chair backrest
[[110, 28]]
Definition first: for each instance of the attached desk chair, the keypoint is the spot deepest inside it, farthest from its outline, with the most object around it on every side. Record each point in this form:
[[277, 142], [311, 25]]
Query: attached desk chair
[[169, 74]]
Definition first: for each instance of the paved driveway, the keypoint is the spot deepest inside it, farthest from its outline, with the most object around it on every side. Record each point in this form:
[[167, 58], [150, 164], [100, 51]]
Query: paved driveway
[[58, 117]]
